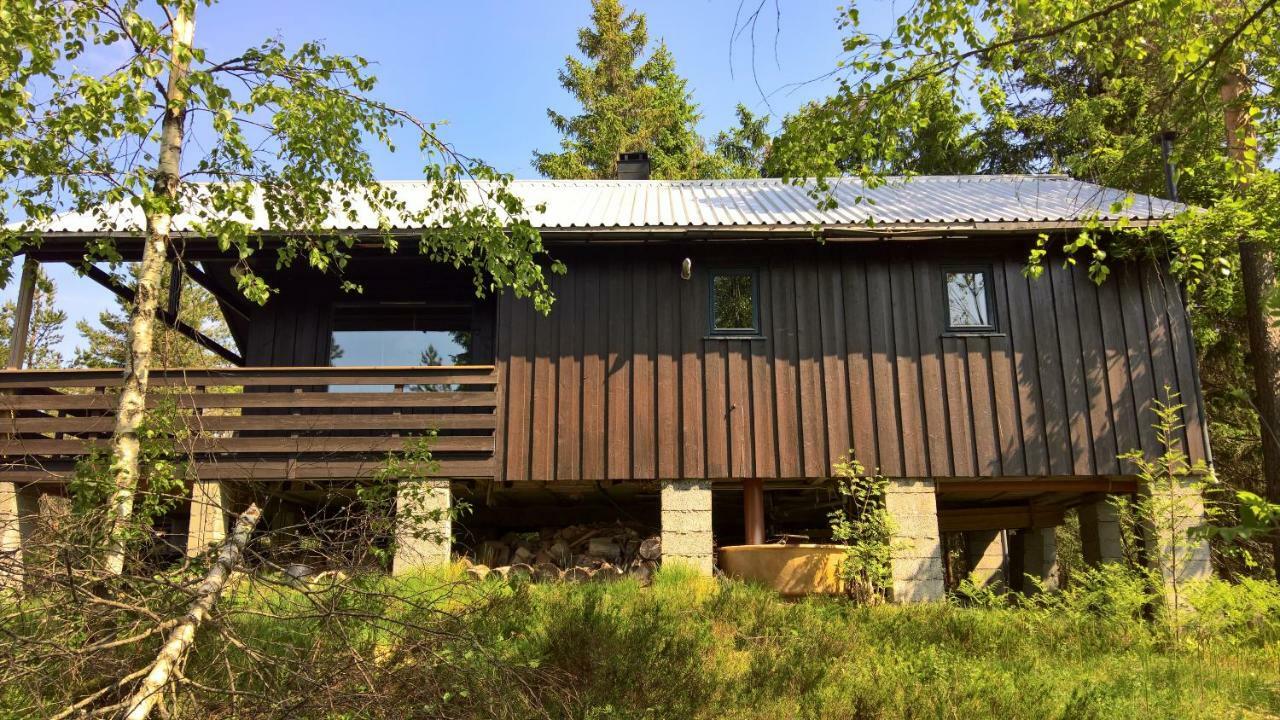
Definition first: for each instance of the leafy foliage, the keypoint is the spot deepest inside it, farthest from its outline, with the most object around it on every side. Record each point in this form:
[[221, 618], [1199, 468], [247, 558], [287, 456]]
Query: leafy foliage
[[866, 528]]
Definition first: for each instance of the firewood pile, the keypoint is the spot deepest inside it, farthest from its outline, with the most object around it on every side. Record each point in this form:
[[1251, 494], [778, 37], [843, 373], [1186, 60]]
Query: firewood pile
[[576, 553]]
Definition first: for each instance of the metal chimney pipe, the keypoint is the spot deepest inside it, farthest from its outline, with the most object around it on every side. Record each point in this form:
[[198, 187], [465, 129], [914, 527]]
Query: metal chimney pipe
[[633, 166]]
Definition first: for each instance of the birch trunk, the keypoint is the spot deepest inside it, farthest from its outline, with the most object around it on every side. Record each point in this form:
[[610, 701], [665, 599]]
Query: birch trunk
[[1258, 277], [180, 638], [159, 214]]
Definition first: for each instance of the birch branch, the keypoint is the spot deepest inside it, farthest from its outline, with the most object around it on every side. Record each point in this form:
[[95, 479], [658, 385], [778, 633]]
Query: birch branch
[[180, 639]]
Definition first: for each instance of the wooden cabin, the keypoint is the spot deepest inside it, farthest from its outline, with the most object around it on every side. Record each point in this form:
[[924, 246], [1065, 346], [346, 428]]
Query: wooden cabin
[[715, 349]]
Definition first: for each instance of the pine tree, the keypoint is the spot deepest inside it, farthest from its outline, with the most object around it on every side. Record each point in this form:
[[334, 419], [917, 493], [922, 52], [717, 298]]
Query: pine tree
[[106, 342], [45, 331], [629, 102], [743, 151]]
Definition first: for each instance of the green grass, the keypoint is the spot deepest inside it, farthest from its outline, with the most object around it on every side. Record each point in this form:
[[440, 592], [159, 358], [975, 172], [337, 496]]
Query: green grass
[[694, 648]]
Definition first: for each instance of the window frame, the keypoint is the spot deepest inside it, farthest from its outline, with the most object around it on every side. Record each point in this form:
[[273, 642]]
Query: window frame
[[755, 330], [993, 316]]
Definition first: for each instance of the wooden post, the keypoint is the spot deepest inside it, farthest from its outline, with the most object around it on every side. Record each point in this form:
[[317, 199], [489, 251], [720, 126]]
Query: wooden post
[[753, 510], [22, 314], [175, 289]]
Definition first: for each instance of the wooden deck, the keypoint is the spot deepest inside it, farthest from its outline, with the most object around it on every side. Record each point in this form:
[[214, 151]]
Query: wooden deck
[[277, 423]]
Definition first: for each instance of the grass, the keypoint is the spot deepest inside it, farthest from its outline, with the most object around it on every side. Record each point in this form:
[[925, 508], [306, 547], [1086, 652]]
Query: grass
[[689, 647]]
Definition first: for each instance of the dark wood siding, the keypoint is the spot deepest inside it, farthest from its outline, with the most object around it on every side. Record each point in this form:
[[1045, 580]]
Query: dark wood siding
[[623, 380]]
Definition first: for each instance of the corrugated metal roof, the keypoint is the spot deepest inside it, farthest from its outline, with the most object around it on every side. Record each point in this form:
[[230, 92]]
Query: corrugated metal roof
[[638, 204]]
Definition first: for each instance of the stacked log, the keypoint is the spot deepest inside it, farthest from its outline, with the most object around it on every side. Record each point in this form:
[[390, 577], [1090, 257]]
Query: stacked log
[[577, 553]]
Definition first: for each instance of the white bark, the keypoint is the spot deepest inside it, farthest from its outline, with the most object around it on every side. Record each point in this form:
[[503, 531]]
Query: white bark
[[181, 637], [129, 411]]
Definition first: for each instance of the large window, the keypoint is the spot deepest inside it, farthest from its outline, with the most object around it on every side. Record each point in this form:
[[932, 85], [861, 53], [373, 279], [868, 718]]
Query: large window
[[970, 303], [734, 303], [400, 335]]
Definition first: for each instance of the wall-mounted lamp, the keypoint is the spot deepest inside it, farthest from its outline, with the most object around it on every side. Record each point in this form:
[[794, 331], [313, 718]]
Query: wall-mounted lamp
[[686, 269]]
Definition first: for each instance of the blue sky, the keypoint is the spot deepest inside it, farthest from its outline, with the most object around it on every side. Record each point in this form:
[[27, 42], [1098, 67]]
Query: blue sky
[[489, 70]]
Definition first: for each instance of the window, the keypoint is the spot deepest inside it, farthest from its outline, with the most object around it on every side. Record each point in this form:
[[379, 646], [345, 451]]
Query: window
[[970, 304], [734, 308], [395, 335]]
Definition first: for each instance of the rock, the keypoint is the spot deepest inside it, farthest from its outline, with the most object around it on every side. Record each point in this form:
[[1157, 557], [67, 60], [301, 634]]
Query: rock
[[651, 548], [546, 572], [298, 571], [478, 572], [604, 548]]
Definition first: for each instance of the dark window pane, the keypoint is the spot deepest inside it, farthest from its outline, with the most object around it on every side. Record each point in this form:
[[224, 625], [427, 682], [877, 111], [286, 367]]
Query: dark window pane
[[388, 335], [967, 299], [734, 301]]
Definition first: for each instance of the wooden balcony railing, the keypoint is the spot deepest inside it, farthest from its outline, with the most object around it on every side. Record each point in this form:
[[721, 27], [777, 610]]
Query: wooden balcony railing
[[271, 423]]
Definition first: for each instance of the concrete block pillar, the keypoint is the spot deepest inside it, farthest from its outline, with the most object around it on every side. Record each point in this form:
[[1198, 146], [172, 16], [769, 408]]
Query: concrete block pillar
[[916, 550], [1177, 508], [207, 524], [1100, 539], [686, 525], [986, 555], [19, 509], [424, 528], [1038, 552]]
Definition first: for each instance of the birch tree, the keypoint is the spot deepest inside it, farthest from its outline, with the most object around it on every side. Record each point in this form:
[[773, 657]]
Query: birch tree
[[288, 132]]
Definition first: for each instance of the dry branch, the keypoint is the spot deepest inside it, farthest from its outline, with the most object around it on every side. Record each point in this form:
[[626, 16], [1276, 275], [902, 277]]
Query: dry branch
[[180, 639]]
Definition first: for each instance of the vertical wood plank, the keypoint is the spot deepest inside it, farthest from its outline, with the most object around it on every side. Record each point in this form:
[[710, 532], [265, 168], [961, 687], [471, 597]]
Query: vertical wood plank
[[835, 377], [568, 315], [813, 431], [717, 411], [785, 376], [741, 453], [644, 392], [520, 377], [929, 307], [1026, 364], [762, 395], [1115, 353], [618, 399], [693, 324], [888, 429], [907, 352], [667, 300], [1052, 385], [1093, 350], [1184, 359], [1077, 392], [978, 350], [960, 413], [1138, 348], [1159, 337], [594, 386], [1005, 393], [858, 340], [545, 346]]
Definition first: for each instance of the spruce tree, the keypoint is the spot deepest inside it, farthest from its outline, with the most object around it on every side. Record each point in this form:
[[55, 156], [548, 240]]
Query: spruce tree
[[632, 100]]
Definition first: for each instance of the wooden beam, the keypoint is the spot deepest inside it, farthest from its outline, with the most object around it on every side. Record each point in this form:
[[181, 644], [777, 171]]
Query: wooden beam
[[22, 313], [229, 301], [106, 280], [999, 518], [175, 288]]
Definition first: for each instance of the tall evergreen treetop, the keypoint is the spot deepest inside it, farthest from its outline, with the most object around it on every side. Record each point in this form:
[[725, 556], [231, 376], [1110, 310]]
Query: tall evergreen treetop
[[629, 102]]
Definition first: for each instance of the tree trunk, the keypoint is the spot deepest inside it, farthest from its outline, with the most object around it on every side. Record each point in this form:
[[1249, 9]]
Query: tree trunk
[[180, 638], [159, 213], [1258, 277]]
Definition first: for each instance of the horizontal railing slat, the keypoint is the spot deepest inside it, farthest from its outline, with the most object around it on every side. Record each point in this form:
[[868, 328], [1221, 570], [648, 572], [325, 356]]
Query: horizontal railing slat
[[309, 399], [328, 444], [267, 470], [263, 423], [252, 377]]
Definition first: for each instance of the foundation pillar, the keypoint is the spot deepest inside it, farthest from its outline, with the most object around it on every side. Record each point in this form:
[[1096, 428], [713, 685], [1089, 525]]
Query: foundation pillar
[[1037, 550], [916, 550], [753, 510], [207, 525], [19, 511], [686, 525], [986, 554], [424, 528], [1177, 507], [1100, 539]]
